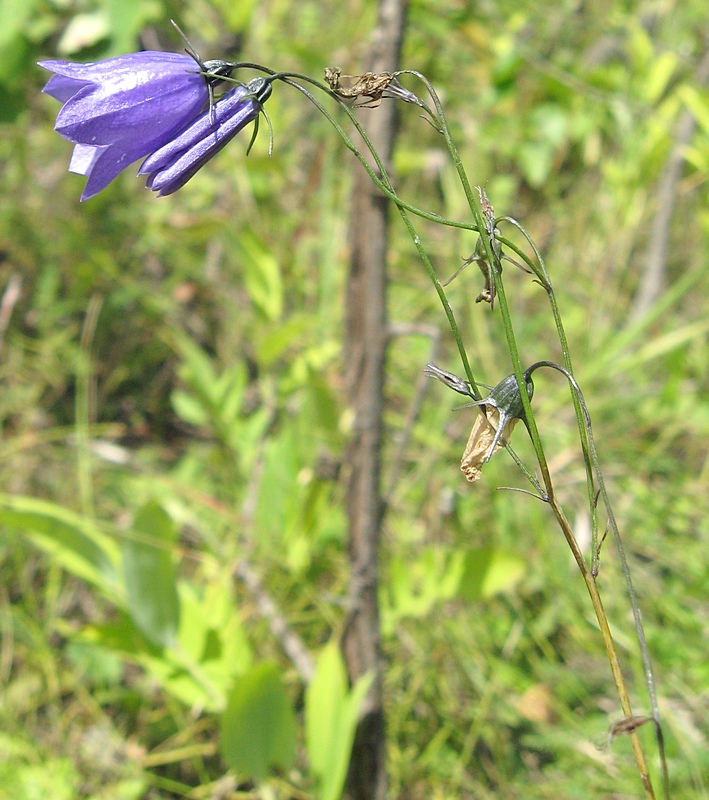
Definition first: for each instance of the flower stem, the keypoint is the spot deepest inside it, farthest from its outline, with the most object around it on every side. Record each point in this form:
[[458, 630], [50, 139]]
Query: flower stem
[[585, 438]]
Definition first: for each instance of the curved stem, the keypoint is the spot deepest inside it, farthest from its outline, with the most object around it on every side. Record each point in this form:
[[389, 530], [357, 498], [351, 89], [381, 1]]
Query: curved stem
[[589, 577], [540, 271], [382, 181], [591, 582], [292, 78]]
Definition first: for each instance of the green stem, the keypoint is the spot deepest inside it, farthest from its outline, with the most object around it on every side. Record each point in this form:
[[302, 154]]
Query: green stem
[[588, 575], [493, 260], [540, 271], [616, 670], [384, 185], [383, 182]]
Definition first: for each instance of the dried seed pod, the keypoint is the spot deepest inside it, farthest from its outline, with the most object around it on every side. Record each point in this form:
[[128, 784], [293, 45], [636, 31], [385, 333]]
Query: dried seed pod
[[502, 408]]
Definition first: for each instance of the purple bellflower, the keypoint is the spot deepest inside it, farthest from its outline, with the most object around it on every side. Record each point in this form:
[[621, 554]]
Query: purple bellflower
[[172, 165], [121, 109]]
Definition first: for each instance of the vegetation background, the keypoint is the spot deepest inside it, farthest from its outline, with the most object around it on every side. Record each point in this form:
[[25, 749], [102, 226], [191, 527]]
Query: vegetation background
[[173, 415]]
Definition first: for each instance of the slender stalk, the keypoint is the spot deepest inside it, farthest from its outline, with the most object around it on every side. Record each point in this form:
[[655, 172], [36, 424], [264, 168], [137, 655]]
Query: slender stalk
[[588, 575], [592, 587], [482, 226]]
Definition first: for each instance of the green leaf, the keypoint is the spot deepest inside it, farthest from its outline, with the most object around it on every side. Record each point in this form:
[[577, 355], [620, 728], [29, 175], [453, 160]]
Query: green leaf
[[659, 75], [258, 726], [697, 104], [189, 409], [331, 715], [488, 571], [262, 275], [15, 15], [416, 587], [76, 543], [127, 18], [212, 648], [150, 575], [324, 706], [83, 31]]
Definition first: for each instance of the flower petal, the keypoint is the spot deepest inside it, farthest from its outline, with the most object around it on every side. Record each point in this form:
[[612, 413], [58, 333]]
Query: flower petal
[[121, 109], [170, 167], [147, 65], [61, 88], [125, 108], [105, 168], [83, 158], [206, 123]]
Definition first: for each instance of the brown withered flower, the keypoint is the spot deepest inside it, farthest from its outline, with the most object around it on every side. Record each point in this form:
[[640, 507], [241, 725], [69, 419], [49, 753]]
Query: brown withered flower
[[479, 255], [368, 90], [500, 412], [484, 441]]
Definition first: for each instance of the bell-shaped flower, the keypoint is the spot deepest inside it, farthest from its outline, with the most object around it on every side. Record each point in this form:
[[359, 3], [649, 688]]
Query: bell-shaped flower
[[172, 165], [119, 110]]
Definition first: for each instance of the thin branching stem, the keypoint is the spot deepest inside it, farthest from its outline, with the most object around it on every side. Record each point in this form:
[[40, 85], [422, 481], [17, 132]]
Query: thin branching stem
[[382, 181], [487, 234], [588, 574], [540, 270]]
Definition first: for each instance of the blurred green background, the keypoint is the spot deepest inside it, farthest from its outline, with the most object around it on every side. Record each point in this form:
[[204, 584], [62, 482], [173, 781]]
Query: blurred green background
[[172, 405]]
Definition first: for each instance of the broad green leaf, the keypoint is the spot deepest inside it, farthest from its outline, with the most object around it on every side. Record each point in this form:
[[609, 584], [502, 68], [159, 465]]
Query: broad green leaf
[[415, 588], [75, 542], [150, 575], [167, 666], [120, 636], [324, 706], [489, 571], [212, 648], [331, 715], [258, 726]]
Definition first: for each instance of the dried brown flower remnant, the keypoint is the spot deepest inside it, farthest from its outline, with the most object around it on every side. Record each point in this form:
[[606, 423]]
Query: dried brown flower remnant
[[368, 90], [488, 210], [477, 450], [626, 726], [480, 256], [500, 411]]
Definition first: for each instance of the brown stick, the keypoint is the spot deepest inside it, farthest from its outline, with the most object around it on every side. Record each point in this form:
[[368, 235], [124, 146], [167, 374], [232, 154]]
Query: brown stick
[[292, 644], [365, 352]]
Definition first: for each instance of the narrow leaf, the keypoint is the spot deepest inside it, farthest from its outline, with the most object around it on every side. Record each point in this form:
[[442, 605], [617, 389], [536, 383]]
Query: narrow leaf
[[331, 716], [489, 571], [75, 542], [150, 575]]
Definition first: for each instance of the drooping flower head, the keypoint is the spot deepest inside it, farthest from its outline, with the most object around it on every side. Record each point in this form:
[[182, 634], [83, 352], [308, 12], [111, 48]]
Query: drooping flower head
[[502, 409], [173, 164], [121, 109]]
